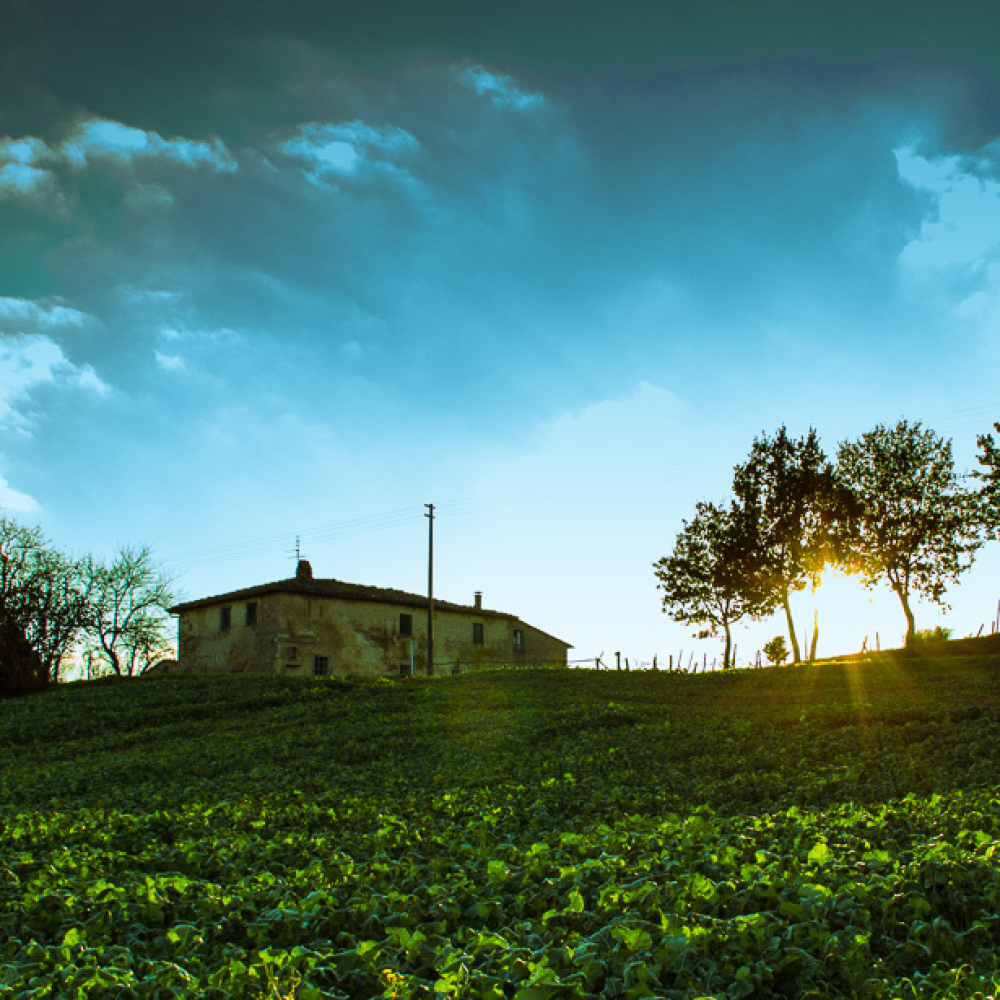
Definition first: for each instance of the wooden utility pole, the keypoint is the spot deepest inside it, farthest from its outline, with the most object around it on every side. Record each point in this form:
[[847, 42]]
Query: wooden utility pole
[[430, 589]]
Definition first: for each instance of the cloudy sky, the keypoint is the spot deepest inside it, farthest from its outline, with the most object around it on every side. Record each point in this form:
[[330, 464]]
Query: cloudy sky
[[268, 271]]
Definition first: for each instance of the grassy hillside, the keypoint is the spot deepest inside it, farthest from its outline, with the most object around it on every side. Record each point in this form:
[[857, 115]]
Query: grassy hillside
[[822, 831]]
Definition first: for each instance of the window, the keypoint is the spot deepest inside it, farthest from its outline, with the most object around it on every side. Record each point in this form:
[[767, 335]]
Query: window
[[477, 633], [252, 613], [404, 670], [226, 619], [406, 624], [518, 639], [321, 666]]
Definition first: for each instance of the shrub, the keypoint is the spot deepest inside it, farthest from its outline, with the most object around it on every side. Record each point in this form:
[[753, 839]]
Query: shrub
[[936, 634], [776, 651]]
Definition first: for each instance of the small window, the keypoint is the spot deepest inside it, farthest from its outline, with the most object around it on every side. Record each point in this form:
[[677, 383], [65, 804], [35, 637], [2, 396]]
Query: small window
[[406, 624], [404, 670], [518, 639], [477, 633], [226, 619], [252, 613], [321, 666]]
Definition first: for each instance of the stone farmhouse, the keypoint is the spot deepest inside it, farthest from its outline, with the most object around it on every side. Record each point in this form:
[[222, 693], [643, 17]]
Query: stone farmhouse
[[305, 626]]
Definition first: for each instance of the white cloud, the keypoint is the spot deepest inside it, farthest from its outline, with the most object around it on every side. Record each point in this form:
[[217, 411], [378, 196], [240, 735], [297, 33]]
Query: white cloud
[[24, 169], [14, 500], [28, 362], [22, 179], [170, 362], [343, 148], [99, 139], [334, 154], [26, 150], [25, 363], [86, 378], [19, 315], [501, 90], [28, 165], [966, 226], [154, 297]]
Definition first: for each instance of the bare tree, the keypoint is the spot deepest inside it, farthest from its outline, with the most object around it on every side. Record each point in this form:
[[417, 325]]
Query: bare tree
[[129, 621]]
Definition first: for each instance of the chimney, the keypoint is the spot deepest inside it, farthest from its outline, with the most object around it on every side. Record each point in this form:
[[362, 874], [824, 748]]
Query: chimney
[[303, 571], [479, 600]]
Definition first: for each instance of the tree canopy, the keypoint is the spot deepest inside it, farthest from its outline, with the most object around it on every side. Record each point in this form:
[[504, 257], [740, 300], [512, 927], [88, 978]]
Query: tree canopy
[[915, 525], [707, 579], [788, 499], [52, 606], [989, 459]]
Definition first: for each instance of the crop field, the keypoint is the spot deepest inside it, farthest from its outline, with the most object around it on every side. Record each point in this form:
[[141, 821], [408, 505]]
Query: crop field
[[824, 831]]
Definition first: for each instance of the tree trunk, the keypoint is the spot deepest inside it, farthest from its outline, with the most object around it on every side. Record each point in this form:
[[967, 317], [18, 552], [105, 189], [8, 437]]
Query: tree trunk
[[815, 637], [796, 655], [911, 627], [729, 646]]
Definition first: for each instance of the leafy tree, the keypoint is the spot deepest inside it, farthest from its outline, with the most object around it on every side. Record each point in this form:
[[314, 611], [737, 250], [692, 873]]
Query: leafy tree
[[42, 593], [129, 621], [915, 524], [788, 495], [989, 459], [776, 651], [707, 580]]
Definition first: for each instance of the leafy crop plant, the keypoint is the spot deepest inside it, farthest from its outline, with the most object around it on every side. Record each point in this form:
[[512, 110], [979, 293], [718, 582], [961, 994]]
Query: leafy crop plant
[[828, 830]]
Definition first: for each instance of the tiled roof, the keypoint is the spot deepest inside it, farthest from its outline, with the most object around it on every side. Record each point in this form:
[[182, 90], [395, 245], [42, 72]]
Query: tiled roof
[[345, 592]]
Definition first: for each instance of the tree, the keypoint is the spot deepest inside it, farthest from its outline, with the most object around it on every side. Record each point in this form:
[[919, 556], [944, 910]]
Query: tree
[[128, 621], [707, 580], [788, 495], [989, 459], [43, 594], [776, 651], [21, 668], [915, 524]]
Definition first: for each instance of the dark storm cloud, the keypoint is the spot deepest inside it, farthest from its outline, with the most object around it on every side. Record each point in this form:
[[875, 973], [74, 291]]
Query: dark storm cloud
[[200, 67], [370, 206], [447, 227]]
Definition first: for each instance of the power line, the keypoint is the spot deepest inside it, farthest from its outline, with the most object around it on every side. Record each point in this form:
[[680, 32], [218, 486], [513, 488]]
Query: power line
[[322, 533]]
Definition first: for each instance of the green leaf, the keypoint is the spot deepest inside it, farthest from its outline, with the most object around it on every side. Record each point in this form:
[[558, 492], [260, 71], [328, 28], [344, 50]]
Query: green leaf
[[820, 854]]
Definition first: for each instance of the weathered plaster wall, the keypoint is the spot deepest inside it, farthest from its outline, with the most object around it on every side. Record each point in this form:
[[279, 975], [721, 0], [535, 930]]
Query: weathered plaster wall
[[357, 637]]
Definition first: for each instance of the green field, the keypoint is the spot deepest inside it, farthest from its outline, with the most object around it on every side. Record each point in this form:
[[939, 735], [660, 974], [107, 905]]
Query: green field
[[827, 831]]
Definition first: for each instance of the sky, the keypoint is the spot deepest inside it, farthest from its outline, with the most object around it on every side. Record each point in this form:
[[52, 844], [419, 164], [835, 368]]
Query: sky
[[269, 272]]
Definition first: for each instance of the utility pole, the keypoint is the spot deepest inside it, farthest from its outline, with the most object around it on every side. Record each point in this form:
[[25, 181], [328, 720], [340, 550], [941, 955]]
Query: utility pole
[[430, 588]]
